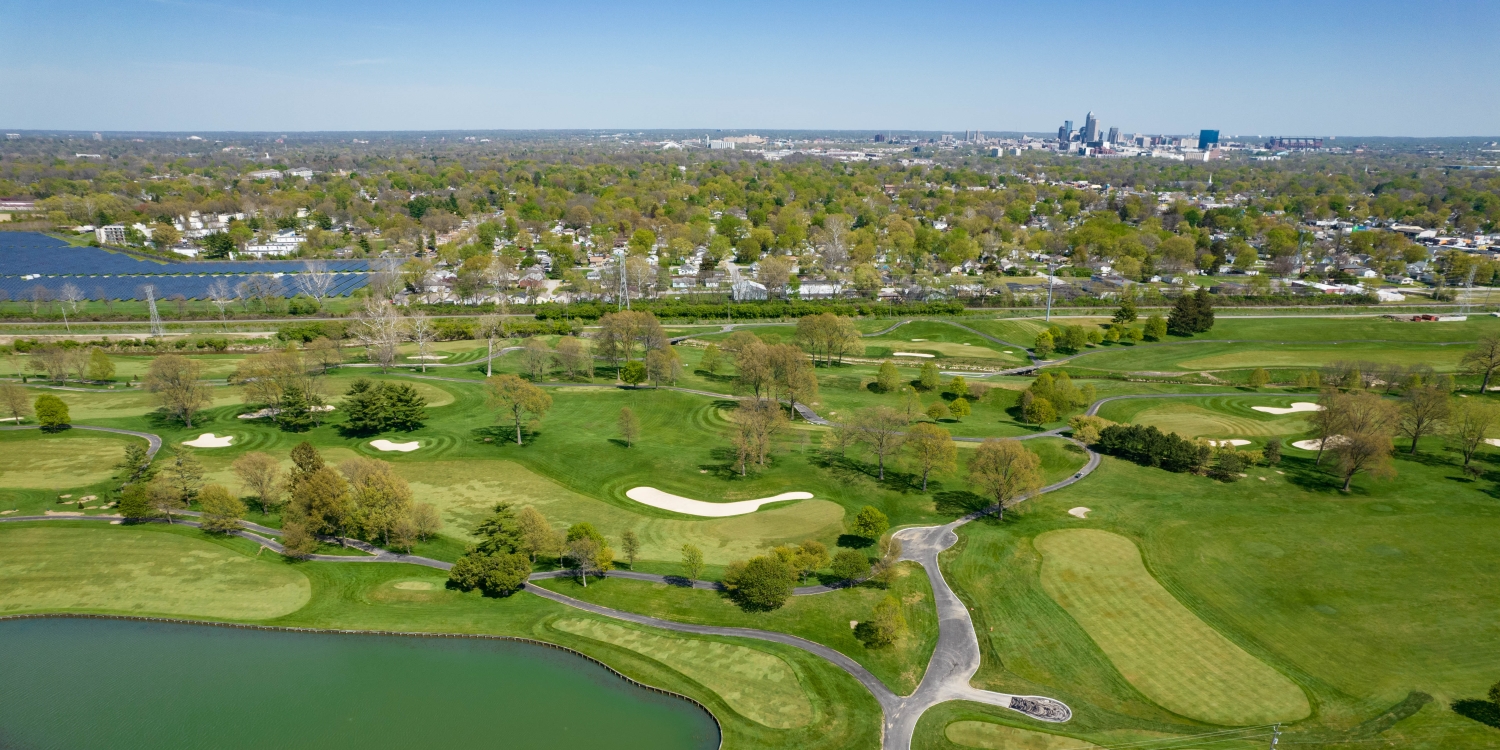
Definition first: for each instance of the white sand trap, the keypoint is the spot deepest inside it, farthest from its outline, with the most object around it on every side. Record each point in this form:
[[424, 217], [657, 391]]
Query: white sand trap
[[1224, 443], [1293, 409], [1493, 441], [17, 420], [386, 445], [1312, 445], [60, 513], [666, 501], [912, 354], [429, 356], [1079, 512], [919, 339], [8, 512], [209, 440], [269, 412]]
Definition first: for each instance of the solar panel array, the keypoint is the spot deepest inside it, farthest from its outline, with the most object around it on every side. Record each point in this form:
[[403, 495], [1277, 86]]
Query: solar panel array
[[29, 260]]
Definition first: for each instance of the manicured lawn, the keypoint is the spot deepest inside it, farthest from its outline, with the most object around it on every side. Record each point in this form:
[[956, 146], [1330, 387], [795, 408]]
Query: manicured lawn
[[45, 568], [758, 685], [983, 734], [1163, 649], [823, 618], [1210, 355], [943, 341]]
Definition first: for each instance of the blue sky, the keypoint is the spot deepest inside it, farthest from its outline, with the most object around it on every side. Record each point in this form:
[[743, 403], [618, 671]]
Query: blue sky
[[1258, 68]]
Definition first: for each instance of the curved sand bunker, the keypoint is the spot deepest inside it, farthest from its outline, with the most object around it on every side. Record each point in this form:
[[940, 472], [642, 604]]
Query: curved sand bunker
[[386, 445], [676, 503], [1079, 512], [1227, 443], [1293, 409], [209, 440], [1315, 444]]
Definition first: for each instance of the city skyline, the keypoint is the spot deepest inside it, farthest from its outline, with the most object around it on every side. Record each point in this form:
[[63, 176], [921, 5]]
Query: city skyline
[[1327, 68]]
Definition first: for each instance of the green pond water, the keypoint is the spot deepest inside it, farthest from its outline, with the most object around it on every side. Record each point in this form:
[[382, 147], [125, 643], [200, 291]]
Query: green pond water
[[85, 683]]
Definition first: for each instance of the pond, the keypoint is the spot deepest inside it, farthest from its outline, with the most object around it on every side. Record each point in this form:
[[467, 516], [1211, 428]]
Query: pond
[[119, 684]]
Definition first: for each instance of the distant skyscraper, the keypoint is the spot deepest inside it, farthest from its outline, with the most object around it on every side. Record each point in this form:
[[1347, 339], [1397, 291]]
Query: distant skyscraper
[[1114, 135], [1065, 133], [1207, 139], [1090, 128]]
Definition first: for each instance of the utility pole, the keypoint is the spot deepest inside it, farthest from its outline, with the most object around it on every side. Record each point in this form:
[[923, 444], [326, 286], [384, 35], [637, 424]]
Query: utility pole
[[1051, 277], [156, 327]]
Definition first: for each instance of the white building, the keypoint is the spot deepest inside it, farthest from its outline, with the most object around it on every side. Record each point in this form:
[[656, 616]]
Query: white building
[[265, 174], [113, 234]]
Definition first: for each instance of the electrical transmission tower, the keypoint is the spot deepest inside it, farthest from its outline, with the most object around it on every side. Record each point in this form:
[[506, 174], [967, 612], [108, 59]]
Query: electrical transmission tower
[[156, 328], [1468, 291]]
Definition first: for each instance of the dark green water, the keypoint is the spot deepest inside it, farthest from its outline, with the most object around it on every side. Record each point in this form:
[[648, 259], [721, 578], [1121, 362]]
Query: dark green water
[[83, 683]]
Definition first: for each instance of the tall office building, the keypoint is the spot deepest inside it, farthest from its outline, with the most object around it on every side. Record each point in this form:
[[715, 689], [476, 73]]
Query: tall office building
[[1114, 135], [1065, 133], [1207, 139], [1090, 128]]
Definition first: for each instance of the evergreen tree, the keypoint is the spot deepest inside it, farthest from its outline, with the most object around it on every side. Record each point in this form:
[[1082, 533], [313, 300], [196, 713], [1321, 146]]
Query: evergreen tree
[[365, 407], [407, 409], [1126, 313], [295, 414]]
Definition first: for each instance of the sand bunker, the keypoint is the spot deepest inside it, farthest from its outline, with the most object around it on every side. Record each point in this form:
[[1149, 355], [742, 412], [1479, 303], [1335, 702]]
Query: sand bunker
[[1293, 409], [912, 354], [666, 501], [386, 445], [60, 513], [269, 412], [1225, 443], [17, 420], [209, 440], [8, 512], [429, 356], [1079, 512], [1312, 445], [1493, 441]]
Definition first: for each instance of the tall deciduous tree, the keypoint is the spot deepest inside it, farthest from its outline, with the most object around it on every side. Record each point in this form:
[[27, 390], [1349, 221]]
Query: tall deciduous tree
[[887, 378], [1423, 411], [1005, 471], [516, 399], [630, 427], [692, 561], [574, 357], [1483, 359], [1368, 424], [1471, 422], [15, 401], [536, 356], [258, 473], [880, 428], [222, 511], [932, 449], [175, 380]]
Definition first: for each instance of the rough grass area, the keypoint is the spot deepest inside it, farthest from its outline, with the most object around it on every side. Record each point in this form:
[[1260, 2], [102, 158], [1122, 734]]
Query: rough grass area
[[759, 685], [943, 341], [35, 460], [983, 734], [140, 571], [1161, 647]]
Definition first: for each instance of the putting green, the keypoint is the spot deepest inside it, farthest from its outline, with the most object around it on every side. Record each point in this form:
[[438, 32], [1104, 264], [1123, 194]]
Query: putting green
[[1156, 643], [466, 491], [144, 572], [989, 736], [759, 685], [60, 462]]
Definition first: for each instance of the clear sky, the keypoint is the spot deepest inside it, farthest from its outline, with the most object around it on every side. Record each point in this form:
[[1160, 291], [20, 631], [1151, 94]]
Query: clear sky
[[1259, 67]]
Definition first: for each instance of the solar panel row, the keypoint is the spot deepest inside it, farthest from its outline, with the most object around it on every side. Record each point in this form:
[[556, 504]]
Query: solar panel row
[[25, 253], [192, 287]]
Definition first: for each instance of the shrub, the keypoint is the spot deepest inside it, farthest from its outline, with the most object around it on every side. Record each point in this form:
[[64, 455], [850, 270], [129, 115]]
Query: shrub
[[761, 583], [869, 523], [1149, 446], [850, 565]]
